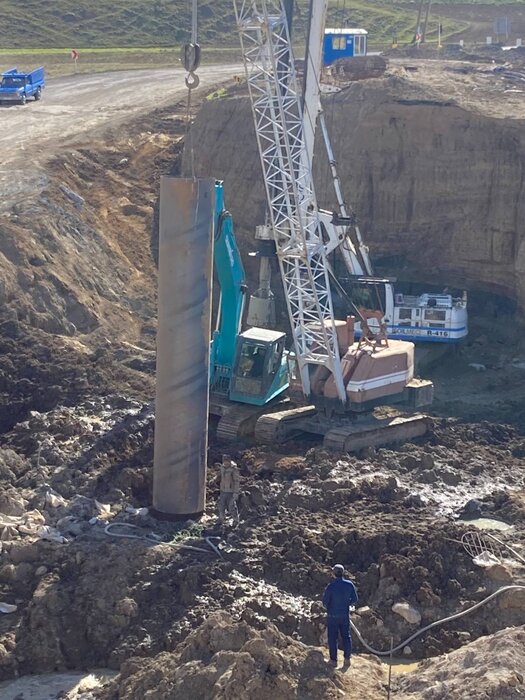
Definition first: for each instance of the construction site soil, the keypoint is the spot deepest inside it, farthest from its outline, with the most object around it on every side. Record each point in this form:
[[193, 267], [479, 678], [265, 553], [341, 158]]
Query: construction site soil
[[90, 580]]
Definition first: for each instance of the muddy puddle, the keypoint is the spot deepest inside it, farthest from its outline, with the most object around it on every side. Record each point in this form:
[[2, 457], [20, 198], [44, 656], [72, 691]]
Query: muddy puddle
[[489, 524], [49, 686], [402, 666]]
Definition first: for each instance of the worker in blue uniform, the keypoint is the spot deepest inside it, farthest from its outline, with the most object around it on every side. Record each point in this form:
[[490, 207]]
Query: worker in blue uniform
[[339, 595]]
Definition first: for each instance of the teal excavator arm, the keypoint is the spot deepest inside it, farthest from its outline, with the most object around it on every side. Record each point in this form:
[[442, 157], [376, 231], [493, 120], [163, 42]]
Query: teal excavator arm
[[232, 282], [247, 367]]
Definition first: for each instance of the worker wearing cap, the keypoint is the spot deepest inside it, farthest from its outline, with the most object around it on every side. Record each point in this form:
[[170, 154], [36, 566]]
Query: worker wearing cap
[[339, 595], [229, 490]]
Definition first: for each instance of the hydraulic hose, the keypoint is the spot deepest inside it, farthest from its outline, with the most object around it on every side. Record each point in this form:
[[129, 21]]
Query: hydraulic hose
[[434, 624]]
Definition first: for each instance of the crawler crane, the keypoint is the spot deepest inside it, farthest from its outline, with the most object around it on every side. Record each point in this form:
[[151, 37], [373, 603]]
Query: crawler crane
[[427, 317], [341, 381]]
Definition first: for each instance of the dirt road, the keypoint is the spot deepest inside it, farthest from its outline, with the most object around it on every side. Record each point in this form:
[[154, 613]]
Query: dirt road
[[75, 105]]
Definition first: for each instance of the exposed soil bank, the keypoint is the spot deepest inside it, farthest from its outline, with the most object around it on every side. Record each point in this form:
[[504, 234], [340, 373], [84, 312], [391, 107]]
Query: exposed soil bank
[[431, 159]]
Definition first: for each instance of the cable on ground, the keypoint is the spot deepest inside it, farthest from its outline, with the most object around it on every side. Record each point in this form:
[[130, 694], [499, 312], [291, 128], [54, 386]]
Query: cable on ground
[[434, 624], [156, 539]]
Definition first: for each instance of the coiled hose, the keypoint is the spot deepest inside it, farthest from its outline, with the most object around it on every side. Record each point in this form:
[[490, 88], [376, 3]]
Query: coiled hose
[[137, 533]]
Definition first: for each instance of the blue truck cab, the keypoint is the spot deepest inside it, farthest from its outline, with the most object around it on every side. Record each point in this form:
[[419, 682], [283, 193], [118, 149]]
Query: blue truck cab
[[18, 87]]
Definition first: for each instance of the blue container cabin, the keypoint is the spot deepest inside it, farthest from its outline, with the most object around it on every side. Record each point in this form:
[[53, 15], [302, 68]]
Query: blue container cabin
[[344, 43]]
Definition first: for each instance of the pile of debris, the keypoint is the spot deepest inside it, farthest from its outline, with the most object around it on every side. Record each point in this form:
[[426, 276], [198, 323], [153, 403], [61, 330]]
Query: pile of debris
[[356, 68], [511, 75], [491, 668]]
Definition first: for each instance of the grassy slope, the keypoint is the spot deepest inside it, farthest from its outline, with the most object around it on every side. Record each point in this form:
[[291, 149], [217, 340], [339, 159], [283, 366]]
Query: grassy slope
[[116, 23], [94, 23]]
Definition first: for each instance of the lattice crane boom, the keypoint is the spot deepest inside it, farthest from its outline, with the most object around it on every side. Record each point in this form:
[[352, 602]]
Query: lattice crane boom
[[294, 215]]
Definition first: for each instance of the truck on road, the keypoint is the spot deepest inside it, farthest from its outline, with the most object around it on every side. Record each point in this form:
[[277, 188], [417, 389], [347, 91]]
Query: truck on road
[[17, 87]]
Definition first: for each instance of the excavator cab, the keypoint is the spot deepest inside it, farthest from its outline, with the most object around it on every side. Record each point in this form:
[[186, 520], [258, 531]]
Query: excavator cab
[[260, 370]]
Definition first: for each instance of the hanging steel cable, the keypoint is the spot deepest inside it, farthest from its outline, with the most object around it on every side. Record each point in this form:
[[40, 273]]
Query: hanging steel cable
[[191, 59]]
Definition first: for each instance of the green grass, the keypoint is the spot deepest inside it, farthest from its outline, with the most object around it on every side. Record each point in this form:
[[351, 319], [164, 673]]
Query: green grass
[[217, 94], [479, 2], [93, 24]]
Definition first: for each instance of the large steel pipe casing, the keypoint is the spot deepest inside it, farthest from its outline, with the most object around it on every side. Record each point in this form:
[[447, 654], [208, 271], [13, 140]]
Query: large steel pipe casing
[[183, 344]]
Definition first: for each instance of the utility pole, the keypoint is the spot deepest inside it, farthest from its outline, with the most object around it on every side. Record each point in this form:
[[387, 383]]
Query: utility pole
[[427, 14], [418, 22]]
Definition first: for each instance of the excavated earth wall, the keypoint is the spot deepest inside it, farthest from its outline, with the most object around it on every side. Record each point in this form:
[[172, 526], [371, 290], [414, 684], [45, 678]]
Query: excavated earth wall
[[438, 188], [77, 360]]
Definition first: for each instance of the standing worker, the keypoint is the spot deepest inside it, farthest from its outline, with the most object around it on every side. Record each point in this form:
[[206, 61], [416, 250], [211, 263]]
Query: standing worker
[[229, 490], [339, 595]]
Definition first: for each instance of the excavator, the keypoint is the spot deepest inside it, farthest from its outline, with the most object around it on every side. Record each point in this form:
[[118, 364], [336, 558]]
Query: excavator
[[252, 373], [248, 369]]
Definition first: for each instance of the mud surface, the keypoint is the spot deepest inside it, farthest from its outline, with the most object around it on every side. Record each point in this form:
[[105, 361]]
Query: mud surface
[[489, 669], [391, 517], [89, 579], [50, 686]]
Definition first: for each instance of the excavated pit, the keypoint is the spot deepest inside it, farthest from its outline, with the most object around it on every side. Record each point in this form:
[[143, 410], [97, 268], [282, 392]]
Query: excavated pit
[[431, 160], [77, 447]]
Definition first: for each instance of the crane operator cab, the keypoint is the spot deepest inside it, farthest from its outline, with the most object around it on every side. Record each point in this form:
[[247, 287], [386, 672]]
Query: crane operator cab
[[260, 370]]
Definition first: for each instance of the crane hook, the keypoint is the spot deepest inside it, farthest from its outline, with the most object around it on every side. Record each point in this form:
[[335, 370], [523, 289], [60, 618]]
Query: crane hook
[[191, 60], [191, 56], [192, 81]]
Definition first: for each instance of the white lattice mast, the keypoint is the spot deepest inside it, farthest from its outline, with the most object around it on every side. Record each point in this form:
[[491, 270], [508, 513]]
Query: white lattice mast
[[294, 216]]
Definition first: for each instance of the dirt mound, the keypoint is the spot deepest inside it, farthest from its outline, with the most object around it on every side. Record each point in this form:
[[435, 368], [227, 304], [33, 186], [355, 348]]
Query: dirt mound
[[39, 371], [510, 506], [490, 668], [76, 251], [226, 659], [96, 601], [358, 68], [77, 272], [89, 449]]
